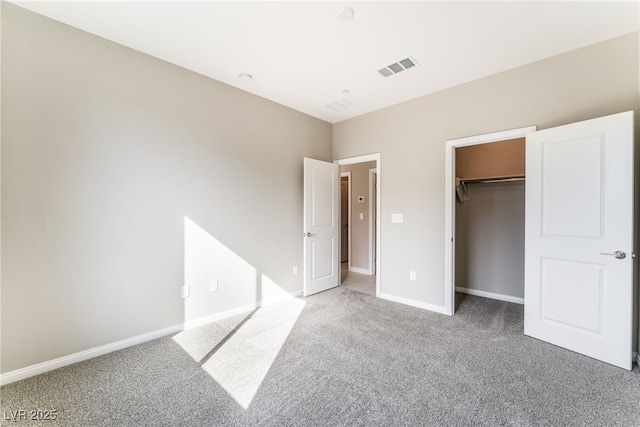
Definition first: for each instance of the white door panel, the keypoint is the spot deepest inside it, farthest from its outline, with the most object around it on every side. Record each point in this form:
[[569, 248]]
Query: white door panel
[[578, 215], [579, 205], [322, 201], [562, 281], [321, 225]]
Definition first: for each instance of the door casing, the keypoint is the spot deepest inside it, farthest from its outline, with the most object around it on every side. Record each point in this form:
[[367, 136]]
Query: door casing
[[373, 177], [346, 175]]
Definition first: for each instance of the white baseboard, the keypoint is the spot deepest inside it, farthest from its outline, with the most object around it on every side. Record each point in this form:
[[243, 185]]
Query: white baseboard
[[492, 295], [360, 270], [413, 303], [50, 365]]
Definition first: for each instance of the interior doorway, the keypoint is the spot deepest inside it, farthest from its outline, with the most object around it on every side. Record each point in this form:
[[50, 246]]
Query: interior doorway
[[360, 248]]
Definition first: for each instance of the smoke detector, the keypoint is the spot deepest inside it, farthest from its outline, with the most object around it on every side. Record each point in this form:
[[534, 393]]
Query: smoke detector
[[345, 14]]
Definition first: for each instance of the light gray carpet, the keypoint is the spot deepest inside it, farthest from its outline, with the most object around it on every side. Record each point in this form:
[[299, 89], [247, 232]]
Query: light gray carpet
[[349, 360]]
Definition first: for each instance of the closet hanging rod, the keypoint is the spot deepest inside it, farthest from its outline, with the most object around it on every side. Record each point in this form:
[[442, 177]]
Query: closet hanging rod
[[491, 180]]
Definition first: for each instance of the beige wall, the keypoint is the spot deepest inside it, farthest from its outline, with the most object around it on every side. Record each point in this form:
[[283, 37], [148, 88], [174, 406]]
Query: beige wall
[[122, 177], [489, 251], [117, 173], [590, 82], [360, 258]]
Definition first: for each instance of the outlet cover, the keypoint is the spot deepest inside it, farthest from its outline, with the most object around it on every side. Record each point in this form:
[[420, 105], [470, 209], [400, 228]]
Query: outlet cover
[[397, 218], [295, 270], [213, 286], [412, 276], [184, 291]]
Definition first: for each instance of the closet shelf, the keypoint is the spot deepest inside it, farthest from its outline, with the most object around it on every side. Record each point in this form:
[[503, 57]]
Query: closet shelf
[[490, 179]]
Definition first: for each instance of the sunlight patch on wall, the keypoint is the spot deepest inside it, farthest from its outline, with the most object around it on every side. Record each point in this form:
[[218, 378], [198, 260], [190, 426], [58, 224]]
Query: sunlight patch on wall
[[207, 259], [234, 345], [272, 292]]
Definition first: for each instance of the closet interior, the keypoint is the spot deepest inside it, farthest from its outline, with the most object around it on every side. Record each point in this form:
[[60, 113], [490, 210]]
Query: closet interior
[[489, 227]]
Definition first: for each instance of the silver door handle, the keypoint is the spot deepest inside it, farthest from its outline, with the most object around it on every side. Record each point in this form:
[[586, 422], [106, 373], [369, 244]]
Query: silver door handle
[[616, 254], [310, 234]]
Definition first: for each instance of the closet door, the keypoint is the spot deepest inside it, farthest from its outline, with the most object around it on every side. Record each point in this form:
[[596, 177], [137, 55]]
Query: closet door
[[578, 237]]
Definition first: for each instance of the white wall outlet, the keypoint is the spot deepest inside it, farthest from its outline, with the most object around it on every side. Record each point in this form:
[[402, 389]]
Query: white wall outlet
[[213, 286], [295, 270], [185, 291], [397, 218], [412, 276]]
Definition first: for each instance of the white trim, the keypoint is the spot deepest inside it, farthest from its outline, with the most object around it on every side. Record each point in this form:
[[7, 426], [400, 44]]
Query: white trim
[[348, 175], [378, 222], [360, 270], [372, 223], [358, 159], [378, 159], [449, 203], [492, 295], [413, 303], [50, 365], [491, 137]]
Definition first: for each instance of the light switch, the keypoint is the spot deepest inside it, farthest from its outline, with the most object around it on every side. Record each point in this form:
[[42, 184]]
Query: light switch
[[397, 218], [361, 216]]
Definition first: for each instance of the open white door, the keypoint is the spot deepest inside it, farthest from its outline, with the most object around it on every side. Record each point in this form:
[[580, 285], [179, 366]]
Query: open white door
[[321, 226], [578, 234]]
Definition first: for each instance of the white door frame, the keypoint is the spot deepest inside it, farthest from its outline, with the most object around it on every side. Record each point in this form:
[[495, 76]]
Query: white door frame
[[363, 159], [450, 202], [372, 172], [348, 176]]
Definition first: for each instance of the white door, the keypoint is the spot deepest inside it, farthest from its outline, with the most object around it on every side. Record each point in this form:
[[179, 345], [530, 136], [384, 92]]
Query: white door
[[321, 226], [578, 234]]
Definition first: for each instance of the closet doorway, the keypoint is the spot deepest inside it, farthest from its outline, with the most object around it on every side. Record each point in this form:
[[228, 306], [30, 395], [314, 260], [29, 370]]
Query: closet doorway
[[489, 250], [485, 217], [578, 232]]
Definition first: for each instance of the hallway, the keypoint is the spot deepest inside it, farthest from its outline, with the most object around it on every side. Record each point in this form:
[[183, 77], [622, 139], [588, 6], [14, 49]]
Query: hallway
[[358, 282]]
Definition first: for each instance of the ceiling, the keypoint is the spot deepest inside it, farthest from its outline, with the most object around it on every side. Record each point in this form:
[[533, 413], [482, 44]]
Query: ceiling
[[302, 56]]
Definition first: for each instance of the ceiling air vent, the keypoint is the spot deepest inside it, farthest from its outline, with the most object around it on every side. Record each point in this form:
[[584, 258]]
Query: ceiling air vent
[[385, 72], [397, 67]]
